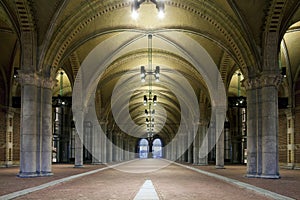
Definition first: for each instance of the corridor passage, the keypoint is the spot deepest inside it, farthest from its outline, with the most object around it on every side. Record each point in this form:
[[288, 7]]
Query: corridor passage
[[125, 181]]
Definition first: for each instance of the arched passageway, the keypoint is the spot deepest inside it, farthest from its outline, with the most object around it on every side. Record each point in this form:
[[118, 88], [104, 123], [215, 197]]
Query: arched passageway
[[152, 149]]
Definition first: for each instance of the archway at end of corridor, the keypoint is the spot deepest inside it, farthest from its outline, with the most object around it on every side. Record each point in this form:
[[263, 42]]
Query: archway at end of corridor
[[150, 149]]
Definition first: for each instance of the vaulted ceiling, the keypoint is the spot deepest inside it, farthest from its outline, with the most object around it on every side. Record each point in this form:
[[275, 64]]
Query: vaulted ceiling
[[230, 33]]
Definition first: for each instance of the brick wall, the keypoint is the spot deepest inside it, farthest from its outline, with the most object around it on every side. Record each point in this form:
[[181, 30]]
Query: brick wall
[[282, 137], [297, 121], [16, 137], [2, 136], [297, 136]]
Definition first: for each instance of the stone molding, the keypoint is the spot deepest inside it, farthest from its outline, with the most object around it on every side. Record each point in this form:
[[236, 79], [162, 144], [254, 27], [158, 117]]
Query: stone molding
[[251, 83], [271, 80], [29, 78], [46, 82], [264, 80]]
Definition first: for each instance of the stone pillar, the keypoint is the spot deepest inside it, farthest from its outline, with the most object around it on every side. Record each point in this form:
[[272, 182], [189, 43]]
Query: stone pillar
[[9, 137], [28, 125], [109, 147], [46, 127], [115, 147], [190, 146], [269, 92], [252, 124], [96, 145], [174, 148], [121, 149], [196, 145], [220, 140], [127, 148], [203, 144], [220, 151], [103, 138], [181, 147], [78, 150]]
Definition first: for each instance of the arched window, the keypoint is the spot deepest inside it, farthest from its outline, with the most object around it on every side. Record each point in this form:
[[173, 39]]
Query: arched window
[[157, 148], [143, 148]]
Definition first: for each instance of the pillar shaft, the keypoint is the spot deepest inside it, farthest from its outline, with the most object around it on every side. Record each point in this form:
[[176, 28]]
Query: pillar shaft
[[270, 168], [252, 131], [262, 126], [78, 150], [28, 153], [220, 151], [46, 129]]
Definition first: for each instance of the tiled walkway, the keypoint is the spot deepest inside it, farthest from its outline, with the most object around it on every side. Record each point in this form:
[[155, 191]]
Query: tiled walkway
[[171, 182]]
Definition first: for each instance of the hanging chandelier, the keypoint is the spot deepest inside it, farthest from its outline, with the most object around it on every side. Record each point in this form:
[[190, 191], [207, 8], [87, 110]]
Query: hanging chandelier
[[150, 99]]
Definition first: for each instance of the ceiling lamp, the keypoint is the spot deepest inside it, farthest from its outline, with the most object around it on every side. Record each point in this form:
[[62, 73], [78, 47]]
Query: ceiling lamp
[[135, 5], [144, 73], [150, 100]]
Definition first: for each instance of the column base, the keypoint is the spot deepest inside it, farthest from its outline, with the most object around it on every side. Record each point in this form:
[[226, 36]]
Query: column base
[[267, 176], [219, 167], [27, 174], [46, 174], [263, 176], [252, 176]]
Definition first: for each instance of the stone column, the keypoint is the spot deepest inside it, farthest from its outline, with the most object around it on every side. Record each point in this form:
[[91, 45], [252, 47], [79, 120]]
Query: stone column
[[103, 138], [190, 146], [203, 143], [196, 144], [251, 86], [96, 144], [269, 92], [174, 149], [122, 138], [181, 147], [220, 151], [115, 147], [78, 150], [46, 127], [109, 147], [28, 124], [127, 148]]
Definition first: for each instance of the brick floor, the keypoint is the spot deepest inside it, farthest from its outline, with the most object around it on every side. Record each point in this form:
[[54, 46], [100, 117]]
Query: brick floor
[[172, 182]]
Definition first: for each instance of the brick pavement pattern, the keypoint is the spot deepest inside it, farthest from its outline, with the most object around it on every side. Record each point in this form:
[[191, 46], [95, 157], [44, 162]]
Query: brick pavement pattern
[[171, 182]]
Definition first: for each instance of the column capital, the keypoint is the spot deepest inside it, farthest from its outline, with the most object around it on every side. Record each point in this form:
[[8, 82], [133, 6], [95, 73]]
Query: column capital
[[47, 82], [27, 78], [33, 78], [251, 83], [264, 80], [271, 80]]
